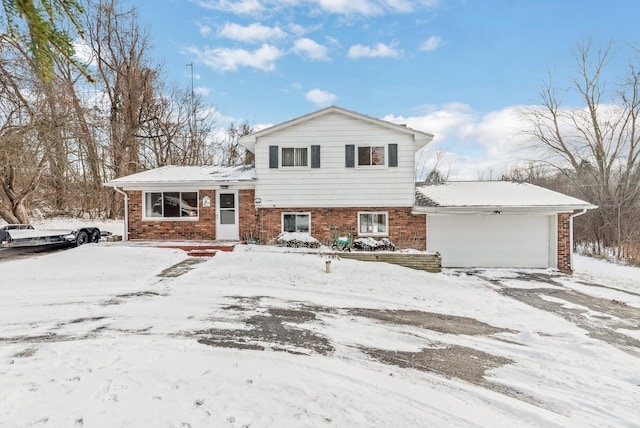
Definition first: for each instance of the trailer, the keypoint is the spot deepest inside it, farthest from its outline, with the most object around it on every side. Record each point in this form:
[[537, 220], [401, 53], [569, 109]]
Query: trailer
[[26, 236]]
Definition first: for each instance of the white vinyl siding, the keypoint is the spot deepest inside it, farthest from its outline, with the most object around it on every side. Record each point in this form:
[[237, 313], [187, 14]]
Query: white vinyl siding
[[332, 184], [493, 240]]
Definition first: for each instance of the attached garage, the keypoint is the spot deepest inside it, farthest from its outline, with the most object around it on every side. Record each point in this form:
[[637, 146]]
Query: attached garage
[[494, 224], [492, 240]]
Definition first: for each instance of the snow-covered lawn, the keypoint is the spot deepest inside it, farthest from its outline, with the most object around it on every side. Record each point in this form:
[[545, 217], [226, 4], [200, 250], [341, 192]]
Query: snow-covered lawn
[[109, 335]]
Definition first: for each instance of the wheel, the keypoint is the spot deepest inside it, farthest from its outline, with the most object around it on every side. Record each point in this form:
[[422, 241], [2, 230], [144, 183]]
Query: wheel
[[95, 236], [82, 238]]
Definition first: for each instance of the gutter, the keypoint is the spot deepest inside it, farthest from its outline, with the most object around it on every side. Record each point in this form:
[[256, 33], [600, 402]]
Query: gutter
[[126, 212], [575, 214]]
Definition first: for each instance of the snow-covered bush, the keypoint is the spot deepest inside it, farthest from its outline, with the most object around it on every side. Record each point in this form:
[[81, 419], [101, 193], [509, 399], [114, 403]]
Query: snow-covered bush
[[297, 240], [370, 244]]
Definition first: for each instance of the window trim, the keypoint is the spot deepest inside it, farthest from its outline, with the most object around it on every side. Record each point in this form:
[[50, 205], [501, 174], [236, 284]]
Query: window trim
[[186, 218], [374, 234], [293, 167], [370, 146], [296, 213]]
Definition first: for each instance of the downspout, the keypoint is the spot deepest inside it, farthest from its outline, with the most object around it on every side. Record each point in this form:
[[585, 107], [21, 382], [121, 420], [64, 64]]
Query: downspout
[[126, 212], [584, 210]]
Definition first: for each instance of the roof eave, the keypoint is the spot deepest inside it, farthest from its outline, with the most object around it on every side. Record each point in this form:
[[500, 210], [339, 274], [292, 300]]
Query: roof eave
[[145, 184], [499, 209]]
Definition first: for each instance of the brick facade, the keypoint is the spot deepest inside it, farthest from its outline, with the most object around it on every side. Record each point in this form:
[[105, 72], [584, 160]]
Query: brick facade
[[405, 230], [202, 229], [265, 224], [564, 242]]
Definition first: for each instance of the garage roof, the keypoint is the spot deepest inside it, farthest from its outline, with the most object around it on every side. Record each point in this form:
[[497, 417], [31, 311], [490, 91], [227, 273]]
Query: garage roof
[[497, 195]]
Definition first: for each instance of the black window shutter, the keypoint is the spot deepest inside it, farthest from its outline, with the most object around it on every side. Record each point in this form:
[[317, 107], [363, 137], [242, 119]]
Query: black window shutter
[[273, 156], [350, 156], [315, 156], [393, 155]]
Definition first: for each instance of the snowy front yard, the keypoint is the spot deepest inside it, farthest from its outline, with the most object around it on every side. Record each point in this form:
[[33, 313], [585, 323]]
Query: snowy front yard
[[114, 335]]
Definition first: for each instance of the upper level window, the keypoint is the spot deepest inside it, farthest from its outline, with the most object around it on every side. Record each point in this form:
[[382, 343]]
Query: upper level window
[[370, 155], [294, 156], [171, 204]]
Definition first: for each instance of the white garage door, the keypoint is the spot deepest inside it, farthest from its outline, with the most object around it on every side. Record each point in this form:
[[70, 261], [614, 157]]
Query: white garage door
[[490, 240]]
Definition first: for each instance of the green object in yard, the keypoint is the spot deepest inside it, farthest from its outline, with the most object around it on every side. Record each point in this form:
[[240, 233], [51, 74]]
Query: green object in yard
[[341, 243]]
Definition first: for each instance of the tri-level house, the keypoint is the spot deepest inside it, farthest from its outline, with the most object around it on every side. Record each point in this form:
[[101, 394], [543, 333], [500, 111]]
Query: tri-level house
[[336, 167]]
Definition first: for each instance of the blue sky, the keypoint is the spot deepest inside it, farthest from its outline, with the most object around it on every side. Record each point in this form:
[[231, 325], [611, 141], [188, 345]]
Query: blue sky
[[455, 68]]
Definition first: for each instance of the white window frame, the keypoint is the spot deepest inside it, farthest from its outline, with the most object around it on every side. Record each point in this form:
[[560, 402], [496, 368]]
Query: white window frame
[[370, 147], [374, 233], [308, 214], [307, 166], [185, 218]]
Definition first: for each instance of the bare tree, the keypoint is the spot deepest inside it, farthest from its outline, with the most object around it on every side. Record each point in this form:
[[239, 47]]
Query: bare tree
[[179, 130], [25, 133], [128, 77], [597, 146], [230, 151], [434, 172]]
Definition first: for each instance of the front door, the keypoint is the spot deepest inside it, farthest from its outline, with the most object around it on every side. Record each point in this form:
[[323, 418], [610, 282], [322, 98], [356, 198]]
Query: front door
[[227, 215]]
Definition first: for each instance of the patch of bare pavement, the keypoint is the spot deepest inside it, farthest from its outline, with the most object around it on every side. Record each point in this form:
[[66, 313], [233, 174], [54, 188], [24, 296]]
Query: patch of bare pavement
[[291, 330], [600, 317]]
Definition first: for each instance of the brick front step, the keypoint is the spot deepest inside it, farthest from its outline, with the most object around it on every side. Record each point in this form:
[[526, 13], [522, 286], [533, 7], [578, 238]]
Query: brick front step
[[201, 250], [203, 253]]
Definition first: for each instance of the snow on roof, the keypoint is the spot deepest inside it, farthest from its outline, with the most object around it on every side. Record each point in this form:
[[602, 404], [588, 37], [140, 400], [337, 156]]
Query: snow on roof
[[188, 174], [470, 194]]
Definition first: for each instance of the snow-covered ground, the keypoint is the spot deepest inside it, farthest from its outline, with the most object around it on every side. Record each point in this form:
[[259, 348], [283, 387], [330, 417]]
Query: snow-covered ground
[[107, 335]]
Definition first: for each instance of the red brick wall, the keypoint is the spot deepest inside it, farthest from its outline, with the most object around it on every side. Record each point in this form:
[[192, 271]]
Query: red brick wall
[[265, 224], [204, 228], [564, 242], [405, 230], [247, 214]]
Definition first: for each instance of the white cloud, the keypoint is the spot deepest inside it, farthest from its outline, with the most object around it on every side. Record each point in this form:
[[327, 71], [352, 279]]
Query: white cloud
[[379, 51], [242, 7], [341, 7], [202, 90], [252, 33], [401, 6], [473, 146], [373, 7], [310, 50], [431, 44], [205, 30], [297, 29], [224, 59], [321, 98], [347, 7]]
